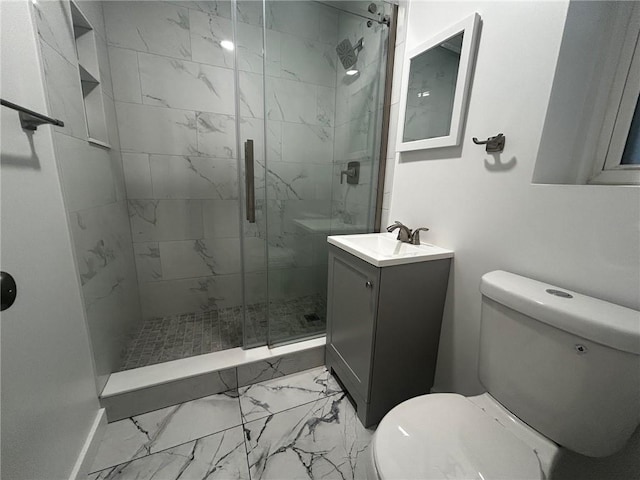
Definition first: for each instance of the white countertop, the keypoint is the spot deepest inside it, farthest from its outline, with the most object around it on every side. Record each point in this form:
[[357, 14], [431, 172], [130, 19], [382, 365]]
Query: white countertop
[[383, 250]]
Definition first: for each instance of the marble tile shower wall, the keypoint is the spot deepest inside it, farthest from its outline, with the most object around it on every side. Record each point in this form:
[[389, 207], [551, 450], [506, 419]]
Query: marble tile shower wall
[[359, 102], [92, 183], [173, 86]]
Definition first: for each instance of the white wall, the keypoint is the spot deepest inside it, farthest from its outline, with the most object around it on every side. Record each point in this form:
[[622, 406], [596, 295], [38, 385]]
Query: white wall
[[49, 399], [584, 238]]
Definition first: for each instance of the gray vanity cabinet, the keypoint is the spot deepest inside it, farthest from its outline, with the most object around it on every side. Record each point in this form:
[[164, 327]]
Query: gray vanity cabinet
[[383, 328]]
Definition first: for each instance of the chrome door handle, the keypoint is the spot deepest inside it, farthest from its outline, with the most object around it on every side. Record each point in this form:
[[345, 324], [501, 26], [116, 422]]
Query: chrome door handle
[[250, 191], [368, 285]]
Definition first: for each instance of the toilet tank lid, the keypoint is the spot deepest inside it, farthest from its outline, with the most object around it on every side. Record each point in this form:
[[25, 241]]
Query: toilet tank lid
[[596, 320]]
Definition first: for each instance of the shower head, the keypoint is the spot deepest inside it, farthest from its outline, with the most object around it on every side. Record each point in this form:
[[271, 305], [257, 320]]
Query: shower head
[[347, 53]]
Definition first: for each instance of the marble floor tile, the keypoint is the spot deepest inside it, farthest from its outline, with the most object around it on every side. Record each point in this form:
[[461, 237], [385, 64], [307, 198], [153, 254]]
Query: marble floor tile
[[273, 396], [323, 439], [218, 456], [145, 434], [203, 439]]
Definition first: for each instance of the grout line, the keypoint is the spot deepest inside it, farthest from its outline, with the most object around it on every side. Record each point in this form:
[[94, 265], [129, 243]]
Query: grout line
[[246, 451], [246, 445], [212, 65], [139, 82], [164, 449], [291, 408], [249, 117]]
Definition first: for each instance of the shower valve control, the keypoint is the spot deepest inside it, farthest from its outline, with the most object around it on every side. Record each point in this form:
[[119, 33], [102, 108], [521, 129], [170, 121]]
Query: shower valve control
[[352, 173]]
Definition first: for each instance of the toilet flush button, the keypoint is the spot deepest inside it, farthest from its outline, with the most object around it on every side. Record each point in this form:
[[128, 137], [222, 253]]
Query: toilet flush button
[[558, 293]]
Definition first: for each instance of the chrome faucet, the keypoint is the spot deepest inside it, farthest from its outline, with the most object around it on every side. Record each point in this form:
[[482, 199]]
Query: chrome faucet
[[405, 234]]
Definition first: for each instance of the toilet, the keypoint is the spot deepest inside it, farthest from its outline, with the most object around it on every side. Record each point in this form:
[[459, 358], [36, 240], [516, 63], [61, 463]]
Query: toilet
[[560, 369]]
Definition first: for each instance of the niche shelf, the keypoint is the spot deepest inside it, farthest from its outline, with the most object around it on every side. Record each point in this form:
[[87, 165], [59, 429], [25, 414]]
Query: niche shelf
[[89, 71]]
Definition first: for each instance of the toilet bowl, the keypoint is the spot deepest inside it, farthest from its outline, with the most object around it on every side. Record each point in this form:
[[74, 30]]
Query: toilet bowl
[[450, 436], [545, 359]]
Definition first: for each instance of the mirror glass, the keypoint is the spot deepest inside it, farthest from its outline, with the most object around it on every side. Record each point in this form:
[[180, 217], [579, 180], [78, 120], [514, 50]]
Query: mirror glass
[[431, 91]]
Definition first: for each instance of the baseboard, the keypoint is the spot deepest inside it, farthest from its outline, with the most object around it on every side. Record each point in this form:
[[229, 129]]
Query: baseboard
[[90, 447]]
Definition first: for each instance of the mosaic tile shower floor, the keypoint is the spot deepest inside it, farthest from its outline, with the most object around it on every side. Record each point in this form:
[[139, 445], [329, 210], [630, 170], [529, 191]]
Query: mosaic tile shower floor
[[186, 335]]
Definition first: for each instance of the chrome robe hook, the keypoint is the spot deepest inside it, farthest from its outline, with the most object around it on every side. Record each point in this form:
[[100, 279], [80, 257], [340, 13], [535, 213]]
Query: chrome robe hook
[[494, 144]]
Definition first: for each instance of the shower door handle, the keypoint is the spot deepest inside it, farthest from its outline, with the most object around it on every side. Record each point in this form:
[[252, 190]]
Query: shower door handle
[[249, 180]]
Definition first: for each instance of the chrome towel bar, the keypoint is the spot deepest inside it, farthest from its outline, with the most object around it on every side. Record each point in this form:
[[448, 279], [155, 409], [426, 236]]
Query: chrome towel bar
[[30, 120]]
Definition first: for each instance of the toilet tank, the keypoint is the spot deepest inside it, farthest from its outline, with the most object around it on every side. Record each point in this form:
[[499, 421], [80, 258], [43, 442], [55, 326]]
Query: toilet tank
[[566, 364]]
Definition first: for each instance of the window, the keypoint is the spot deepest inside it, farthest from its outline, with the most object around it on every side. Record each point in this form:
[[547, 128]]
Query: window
[[631, 154], [618, 153]]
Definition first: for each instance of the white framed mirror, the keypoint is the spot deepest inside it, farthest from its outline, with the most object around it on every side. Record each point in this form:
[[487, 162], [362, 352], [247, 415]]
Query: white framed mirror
[[435, 85]]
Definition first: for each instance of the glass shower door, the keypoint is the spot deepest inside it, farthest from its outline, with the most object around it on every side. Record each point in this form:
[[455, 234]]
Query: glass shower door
[[250, 124], [306, 109], [320, 116]]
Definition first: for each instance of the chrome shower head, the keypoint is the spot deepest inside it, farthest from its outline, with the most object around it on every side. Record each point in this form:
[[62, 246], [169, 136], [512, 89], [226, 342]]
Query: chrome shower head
[[347, 53]]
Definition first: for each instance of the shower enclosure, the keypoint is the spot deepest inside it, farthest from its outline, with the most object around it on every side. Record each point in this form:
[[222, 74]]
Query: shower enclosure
[[248, 131]]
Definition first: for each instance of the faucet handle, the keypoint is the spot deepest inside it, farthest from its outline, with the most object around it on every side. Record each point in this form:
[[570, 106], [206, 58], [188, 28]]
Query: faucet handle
[[415, 236], [395, 225]]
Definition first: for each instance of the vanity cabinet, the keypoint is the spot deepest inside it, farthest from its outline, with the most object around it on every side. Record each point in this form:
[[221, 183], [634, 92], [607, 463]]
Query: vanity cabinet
[[383, 329]]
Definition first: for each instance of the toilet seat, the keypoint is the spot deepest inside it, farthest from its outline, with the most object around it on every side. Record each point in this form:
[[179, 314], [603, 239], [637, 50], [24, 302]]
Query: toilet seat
[[447, 436]]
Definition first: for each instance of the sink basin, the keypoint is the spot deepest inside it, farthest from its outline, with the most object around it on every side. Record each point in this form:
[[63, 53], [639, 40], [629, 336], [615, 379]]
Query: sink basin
[[383, 250]]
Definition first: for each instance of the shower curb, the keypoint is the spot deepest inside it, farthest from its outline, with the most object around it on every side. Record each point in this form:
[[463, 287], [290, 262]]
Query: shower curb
[[145, 389]]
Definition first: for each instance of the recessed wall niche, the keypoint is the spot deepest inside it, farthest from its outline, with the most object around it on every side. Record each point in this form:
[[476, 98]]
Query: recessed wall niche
[[89, 71]]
